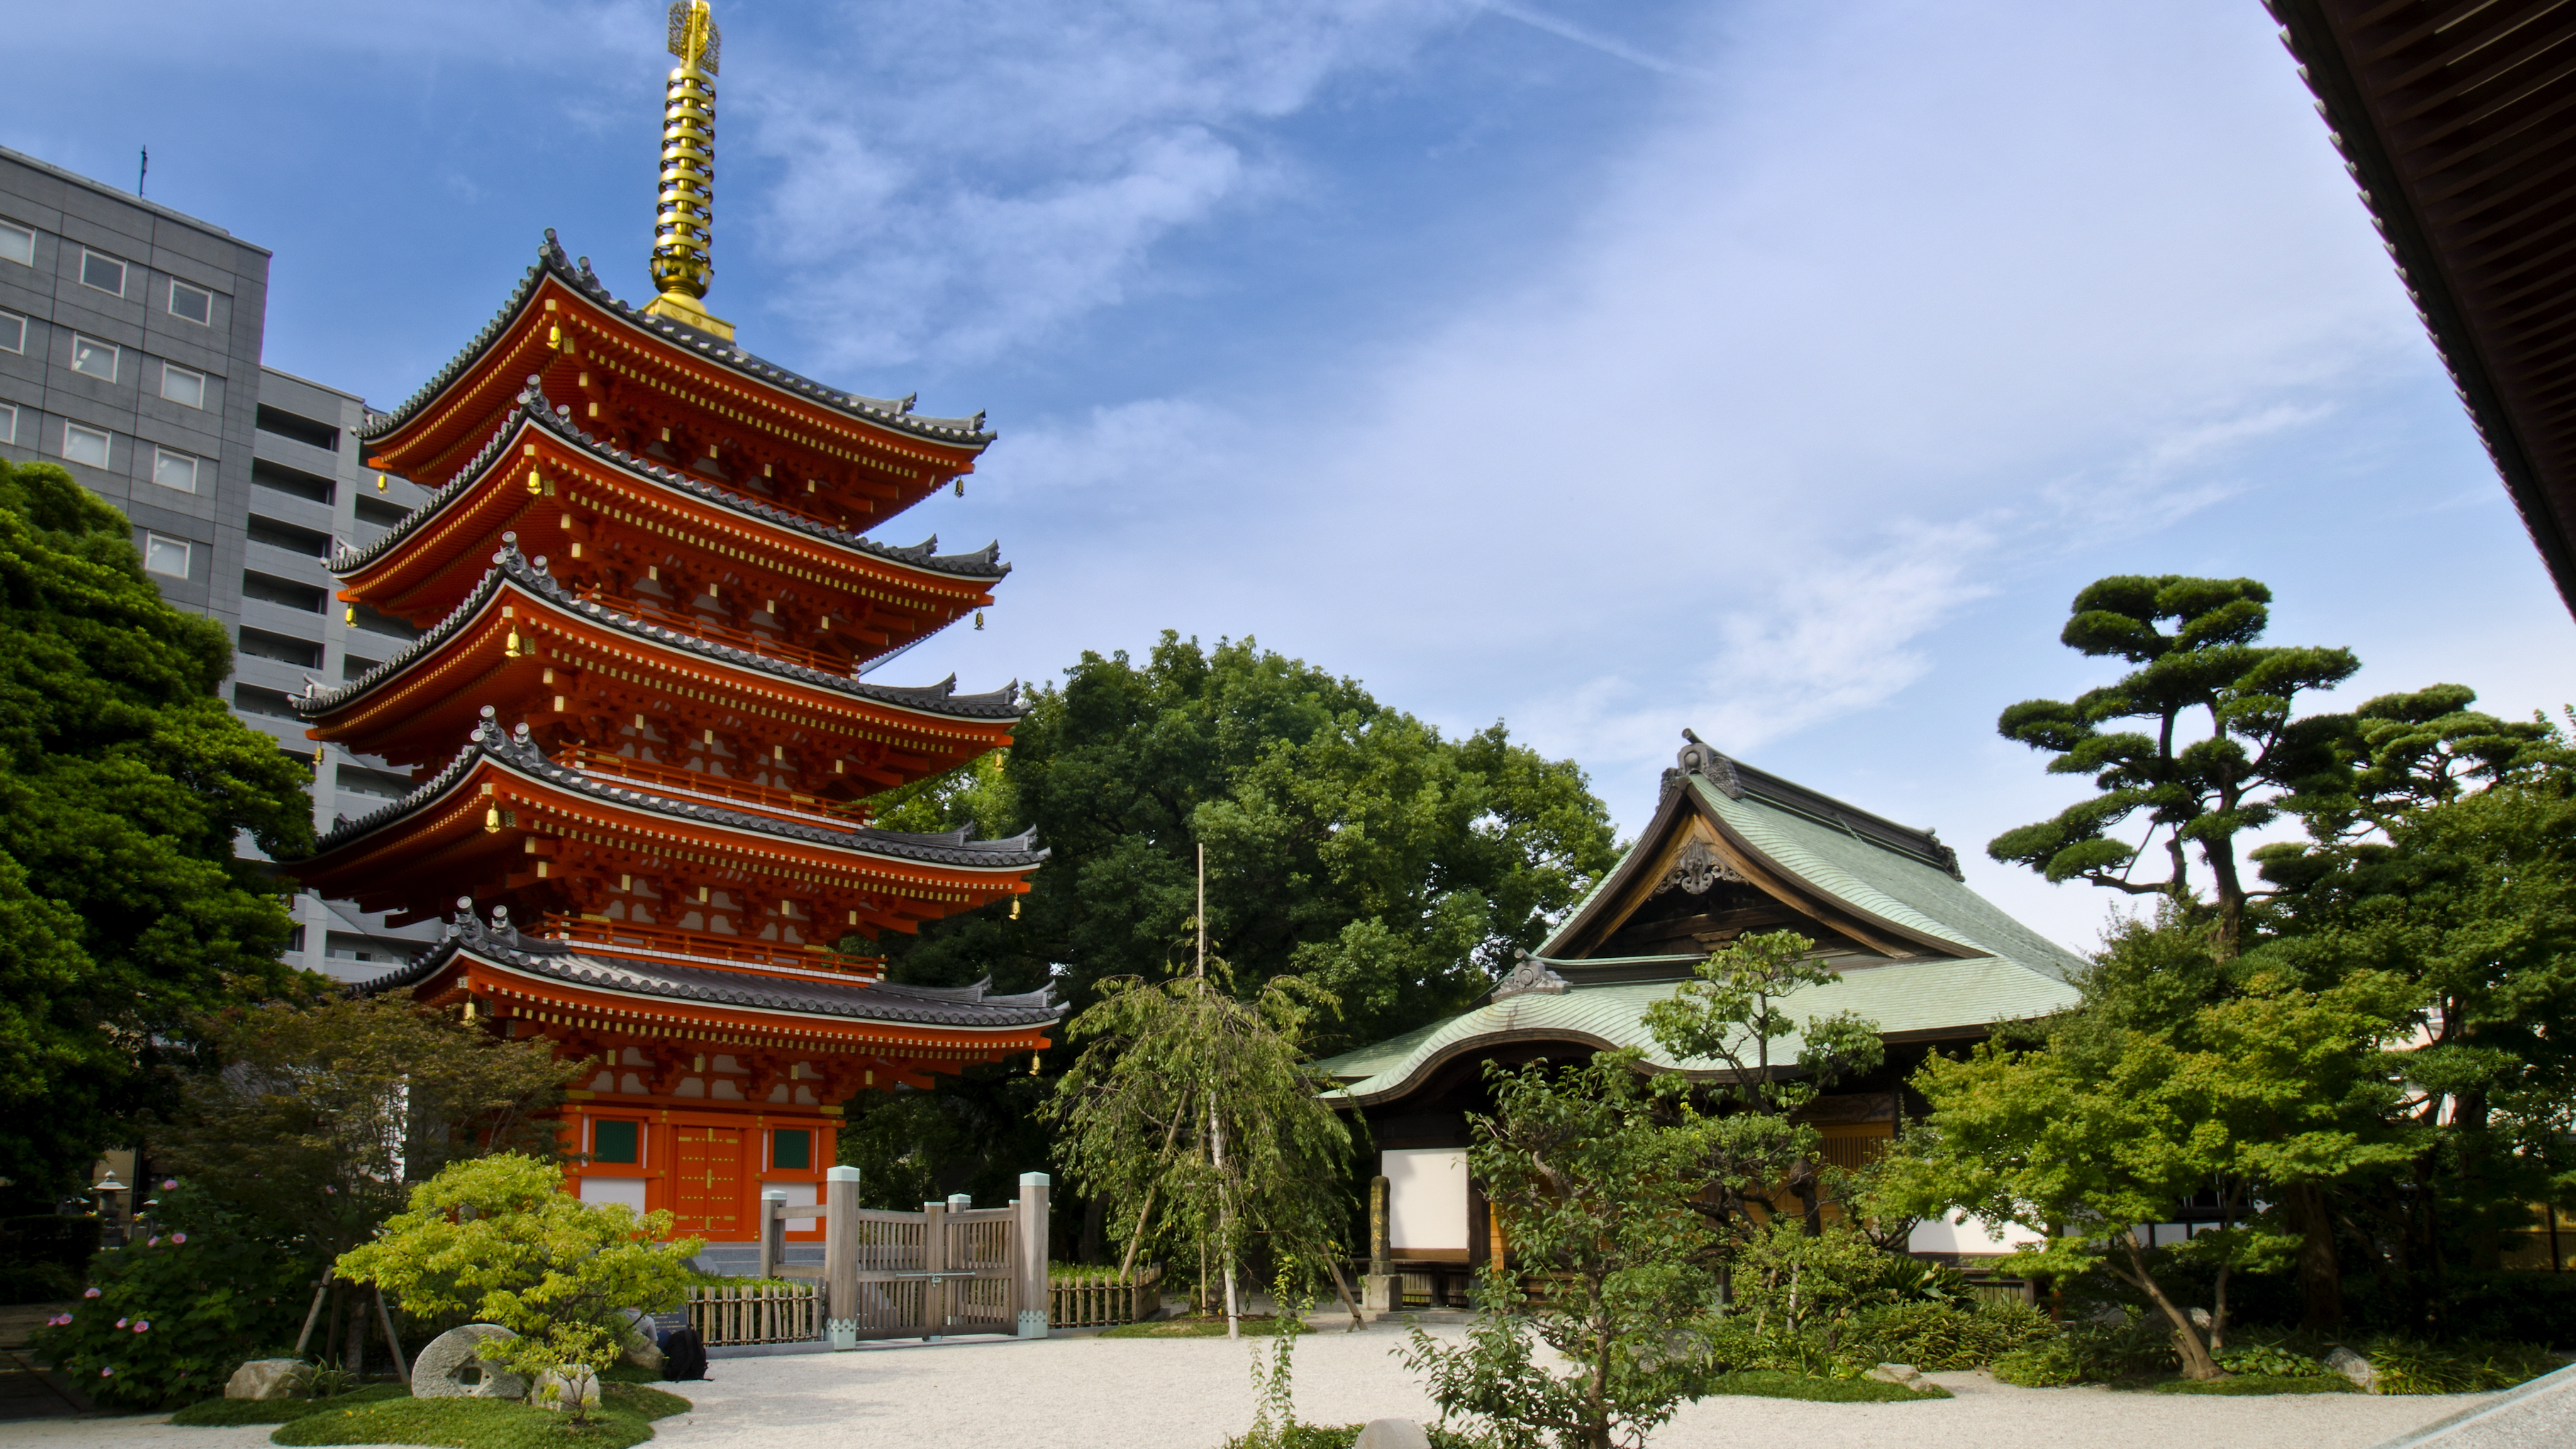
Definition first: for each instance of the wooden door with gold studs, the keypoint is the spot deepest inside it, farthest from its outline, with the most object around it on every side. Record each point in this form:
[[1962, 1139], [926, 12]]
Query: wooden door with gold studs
[[706, 1181]]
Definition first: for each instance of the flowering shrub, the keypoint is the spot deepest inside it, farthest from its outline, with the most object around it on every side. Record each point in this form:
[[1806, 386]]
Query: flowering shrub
[[164, 1322]]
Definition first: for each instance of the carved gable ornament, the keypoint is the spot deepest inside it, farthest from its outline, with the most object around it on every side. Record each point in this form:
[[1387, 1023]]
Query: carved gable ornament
[[1530, 977], [1698, 867]]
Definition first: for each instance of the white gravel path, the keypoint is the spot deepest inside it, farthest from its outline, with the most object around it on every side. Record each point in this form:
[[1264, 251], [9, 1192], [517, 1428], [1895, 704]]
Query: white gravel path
[[1106, 1393]]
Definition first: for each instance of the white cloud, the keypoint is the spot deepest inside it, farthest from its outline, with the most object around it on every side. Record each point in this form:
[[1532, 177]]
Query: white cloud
[[964, 187]]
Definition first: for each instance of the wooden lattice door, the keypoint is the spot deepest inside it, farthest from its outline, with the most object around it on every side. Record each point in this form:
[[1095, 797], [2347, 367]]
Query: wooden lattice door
[[706, 1181]]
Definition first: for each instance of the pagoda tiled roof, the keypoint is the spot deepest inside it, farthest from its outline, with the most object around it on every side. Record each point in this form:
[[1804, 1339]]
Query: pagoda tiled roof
[[509, 565], [894, 414], [968, 1007], [983, 563], [517, 751]]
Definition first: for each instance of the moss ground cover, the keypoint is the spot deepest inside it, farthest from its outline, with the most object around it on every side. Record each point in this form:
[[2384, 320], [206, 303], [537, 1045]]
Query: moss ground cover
[[1189, 1328], [626, 1416], [1814, 1389], [2261, 1384], [215, 1412]]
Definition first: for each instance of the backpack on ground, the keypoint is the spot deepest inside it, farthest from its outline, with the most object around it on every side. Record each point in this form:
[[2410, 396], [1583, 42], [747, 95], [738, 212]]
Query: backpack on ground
[[684, 1355]]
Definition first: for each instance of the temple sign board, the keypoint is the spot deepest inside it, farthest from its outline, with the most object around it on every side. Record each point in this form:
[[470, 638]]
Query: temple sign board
[[1426, 1201]]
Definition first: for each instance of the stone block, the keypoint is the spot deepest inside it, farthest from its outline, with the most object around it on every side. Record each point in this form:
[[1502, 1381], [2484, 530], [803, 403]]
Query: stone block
[[452, 1367], [572, 1387], [266, 1378], [1903, 1375], [2354, 1367], [1392, 1434]]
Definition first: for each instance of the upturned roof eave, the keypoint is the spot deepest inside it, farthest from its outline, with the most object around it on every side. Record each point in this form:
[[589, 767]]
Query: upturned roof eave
[[522, 758], [495, 458], [720, 991], [893, 416], [511, 567]]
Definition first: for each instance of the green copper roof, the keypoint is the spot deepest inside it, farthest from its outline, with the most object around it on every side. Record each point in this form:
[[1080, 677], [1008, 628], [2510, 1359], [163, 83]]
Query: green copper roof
[[2001, 969]]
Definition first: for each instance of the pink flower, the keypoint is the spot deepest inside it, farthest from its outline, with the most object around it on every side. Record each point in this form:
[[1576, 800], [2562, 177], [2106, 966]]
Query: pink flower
[[178, 1237], [107, 1373], [122, 1322], [143, 1325], [326, 1187], [152, 1242], [58, 1320], [92, 1293], [169, 1183]]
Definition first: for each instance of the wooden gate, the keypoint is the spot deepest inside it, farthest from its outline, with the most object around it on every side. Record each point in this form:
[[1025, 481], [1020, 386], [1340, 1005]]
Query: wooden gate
[[940, 1271]]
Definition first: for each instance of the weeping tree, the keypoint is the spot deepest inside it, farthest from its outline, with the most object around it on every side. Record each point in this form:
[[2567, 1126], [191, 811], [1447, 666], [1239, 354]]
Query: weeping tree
[[1194, 1115]]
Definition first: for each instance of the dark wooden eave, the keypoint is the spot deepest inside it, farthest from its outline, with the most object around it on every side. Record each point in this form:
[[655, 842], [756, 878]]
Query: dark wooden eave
[[2458, 120]]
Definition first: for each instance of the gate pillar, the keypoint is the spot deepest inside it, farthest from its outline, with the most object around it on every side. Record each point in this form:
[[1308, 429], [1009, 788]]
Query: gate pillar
[[841, 1256], [1029, 1254]]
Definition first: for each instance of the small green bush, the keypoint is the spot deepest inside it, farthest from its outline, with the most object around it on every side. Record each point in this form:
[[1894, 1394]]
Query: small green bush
[[2467, 1366], [164, 1322], [1336, 1436], [1775, 1384], [2271, 1361], [2261, 1384], [1936, 1335]]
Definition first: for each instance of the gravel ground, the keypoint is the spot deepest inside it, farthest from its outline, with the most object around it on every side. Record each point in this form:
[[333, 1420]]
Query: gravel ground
[[1106, 1393]]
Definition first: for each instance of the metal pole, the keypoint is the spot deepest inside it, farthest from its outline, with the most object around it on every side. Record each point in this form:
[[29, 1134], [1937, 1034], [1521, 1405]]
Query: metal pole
[[1029, 1243]]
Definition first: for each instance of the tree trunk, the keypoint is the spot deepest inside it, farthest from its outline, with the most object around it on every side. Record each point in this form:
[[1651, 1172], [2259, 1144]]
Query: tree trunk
[[1095, 1218], [1224, 1224], [2320, 1274], [354, 1357], [2197, 1364]]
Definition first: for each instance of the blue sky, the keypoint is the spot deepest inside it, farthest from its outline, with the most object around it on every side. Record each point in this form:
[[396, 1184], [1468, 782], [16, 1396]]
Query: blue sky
[[1772, 368]]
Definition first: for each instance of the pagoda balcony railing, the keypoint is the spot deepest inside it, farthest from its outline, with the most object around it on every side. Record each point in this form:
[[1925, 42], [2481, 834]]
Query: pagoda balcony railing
[[673, 782], [750, 641], [705, 948]]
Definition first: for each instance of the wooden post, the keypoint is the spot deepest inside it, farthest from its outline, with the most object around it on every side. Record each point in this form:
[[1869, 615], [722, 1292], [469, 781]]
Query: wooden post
[[773, 1232], [310, 1315], [934, 1261], [1029, 1250], [402, 1369], [841, 1255]]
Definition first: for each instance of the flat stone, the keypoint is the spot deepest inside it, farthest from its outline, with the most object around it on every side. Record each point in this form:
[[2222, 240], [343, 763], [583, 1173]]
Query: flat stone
[[573, 1386], [1392, 1434], [1903, 1375], [266, 1378], [453, 1368]]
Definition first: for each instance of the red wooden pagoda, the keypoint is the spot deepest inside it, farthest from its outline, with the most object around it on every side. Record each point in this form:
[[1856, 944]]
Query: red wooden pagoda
[[639, 728]]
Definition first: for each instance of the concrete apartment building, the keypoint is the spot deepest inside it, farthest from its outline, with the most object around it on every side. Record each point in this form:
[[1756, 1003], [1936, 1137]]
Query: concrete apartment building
[[130, 354]]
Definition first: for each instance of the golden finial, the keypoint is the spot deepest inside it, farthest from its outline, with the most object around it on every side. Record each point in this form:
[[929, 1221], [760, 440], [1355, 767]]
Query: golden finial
[[683, 231]]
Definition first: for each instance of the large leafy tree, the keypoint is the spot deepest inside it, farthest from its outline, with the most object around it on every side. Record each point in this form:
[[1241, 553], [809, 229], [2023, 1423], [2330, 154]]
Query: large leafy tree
[[1346, 841], [124, 783], [2200, 738]]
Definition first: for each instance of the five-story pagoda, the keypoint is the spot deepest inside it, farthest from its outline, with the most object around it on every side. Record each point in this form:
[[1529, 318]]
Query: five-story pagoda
[[639, 724]]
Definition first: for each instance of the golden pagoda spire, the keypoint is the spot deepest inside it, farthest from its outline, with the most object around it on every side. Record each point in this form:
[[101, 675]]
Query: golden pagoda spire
[[683, 231]]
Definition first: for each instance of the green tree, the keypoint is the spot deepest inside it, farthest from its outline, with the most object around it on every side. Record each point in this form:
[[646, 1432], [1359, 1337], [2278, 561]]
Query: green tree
[[2112, 1126], [497, 1239], [311, 1123], [1194, 1120], [1595, 1183], [2470, 903], [124, 783], [1730, 1013], [1352, 844], [2220, 754]]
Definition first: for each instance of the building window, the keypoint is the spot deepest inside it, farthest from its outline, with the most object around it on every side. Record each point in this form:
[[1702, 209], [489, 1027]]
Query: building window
[[165, 555], [174, 470], [8, 424], [195, 304], [105, 273], [791, 1148], [94, 357], [13, 332], [615, 1142], [179, 385], [85, 445], [17, 243]]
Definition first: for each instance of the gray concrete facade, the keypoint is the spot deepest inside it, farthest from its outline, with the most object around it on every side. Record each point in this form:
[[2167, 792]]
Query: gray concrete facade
[[130, 339]]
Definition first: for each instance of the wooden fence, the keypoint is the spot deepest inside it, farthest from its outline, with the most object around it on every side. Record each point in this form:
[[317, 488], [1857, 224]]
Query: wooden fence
[[757, 1313], [1078, 1302]]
